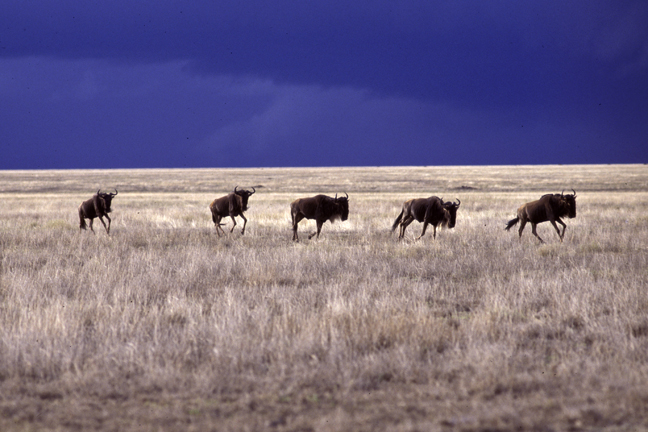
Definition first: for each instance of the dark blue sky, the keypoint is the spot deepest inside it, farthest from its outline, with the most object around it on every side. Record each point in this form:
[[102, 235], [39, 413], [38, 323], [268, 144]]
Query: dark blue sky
[[123, 83]]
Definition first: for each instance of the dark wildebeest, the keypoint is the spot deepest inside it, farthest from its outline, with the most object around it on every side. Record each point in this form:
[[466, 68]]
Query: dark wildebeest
[[97, 206], [321, 208], [550, 207], [431, 210], [231, 205]]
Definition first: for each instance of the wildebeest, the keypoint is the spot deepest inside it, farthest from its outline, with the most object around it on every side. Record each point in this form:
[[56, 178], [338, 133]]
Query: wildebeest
[[232, 205], [321, 208], [97, 206], [550, 207], [432, 210]]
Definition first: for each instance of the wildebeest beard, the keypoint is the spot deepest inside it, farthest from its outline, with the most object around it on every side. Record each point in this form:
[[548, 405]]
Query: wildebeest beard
[[570, 204], [446, 222], [337, 217], [343, 208]]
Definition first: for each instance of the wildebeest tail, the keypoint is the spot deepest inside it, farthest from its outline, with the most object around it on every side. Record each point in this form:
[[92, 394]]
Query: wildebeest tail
[[294, 208], [511, 223], [216, 222], [82, 222], [397, 221]]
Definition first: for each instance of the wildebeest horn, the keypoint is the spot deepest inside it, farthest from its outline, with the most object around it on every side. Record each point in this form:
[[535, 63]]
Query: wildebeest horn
[[235, 187], [347, 195], [574, 193], [459, 201], [98, 190], [253, 190], [116, 192], [335, 197]]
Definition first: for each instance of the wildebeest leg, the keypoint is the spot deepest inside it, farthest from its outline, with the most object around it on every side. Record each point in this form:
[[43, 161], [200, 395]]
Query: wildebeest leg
[[319, 228], [425, 224], [296, 218], [523, 222], [403, 226], [217, 220], [109, 222], [104, 224], [219, 229], [533, 230], [557, 230], [244, 223], [90, 225], [233, 226]]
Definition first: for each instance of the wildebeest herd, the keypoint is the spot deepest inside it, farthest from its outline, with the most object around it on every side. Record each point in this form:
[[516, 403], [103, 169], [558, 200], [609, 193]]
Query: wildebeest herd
[[430, 211]]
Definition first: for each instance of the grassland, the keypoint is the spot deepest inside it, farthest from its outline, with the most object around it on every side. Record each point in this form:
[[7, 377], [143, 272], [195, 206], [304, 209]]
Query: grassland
[[165, 326]]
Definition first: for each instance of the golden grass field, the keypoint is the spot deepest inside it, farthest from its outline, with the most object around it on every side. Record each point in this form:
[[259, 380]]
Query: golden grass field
[[165, 326]]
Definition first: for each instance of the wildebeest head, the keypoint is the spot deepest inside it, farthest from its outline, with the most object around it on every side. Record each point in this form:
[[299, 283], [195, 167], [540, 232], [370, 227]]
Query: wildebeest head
[[342, 205], [245, 195], [568, 204], [451, 212], [106, 197]]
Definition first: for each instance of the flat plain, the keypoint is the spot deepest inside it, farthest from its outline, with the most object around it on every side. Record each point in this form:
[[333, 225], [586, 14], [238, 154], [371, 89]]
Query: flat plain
[[164, 325]]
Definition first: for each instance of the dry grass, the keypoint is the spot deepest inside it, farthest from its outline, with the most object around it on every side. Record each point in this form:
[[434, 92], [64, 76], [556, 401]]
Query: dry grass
[[165, 326]]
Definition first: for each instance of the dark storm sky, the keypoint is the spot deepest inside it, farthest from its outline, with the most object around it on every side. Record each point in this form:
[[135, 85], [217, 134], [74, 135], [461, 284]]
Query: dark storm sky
[[128, 83]]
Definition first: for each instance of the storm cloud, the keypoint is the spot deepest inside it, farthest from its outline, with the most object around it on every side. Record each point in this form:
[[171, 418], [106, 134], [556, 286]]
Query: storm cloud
[[144, 84]]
